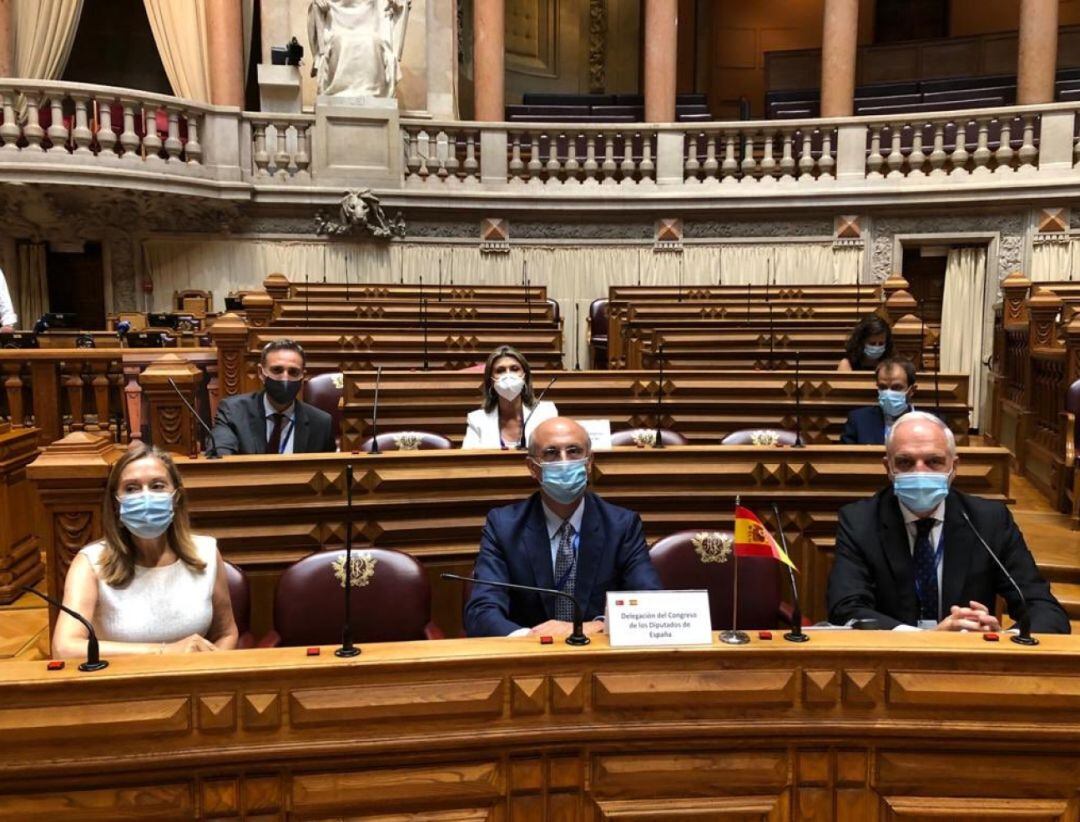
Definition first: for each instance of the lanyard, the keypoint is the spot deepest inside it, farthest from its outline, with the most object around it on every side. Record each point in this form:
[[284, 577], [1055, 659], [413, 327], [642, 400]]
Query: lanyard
[[286, 435]]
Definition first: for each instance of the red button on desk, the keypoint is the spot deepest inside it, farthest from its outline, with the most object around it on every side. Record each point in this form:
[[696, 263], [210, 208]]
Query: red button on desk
[[56, 665], [547, 640], [313, 651], [990, 637], [764, 634]]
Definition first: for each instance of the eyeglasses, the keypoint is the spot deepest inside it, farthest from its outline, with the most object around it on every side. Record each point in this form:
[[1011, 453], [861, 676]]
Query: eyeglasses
[[553, 454], [279, 371]]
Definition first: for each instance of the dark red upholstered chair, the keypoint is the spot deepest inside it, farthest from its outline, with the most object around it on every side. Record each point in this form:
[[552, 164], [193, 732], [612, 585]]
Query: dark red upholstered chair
[[325, 392], [478, 368], [1070, 434], [409, 441], [645, 437], [598, 333], [392, 604], [240, 595], [760, 436], [705, 559]]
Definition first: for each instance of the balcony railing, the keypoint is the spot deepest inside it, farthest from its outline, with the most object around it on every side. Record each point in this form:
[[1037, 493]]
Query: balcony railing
[[135, 135]]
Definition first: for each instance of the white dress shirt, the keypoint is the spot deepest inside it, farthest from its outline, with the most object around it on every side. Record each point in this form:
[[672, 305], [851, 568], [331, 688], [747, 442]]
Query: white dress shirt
[[7, 307], [910, 520], [289, 429], [482, 428]]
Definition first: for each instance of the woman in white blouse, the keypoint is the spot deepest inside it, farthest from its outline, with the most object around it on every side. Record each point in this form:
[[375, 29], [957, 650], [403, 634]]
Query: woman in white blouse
[[508, 403], [150, 586]]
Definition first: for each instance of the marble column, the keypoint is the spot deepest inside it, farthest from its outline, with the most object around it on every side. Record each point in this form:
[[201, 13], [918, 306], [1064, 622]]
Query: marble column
[[661, 59], [839, 45], [489, 67], [7, 39], [1037, 63], [225, 42]]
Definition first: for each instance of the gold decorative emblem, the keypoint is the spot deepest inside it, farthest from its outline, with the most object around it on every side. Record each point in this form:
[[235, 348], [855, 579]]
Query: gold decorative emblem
[[363, 569], [338, 380], [644, 437], [408, 441], [713, 546], [764, 437]]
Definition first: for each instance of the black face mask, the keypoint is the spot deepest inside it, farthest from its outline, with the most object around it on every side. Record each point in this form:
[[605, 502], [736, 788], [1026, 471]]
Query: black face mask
[[282, 392]]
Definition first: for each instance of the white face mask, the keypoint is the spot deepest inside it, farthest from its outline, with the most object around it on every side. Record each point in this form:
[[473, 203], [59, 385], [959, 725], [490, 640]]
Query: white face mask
[[509, 385]]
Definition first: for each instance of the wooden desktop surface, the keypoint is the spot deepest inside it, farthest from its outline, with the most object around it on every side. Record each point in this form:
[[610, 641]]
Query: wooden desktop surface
[[848, 726]]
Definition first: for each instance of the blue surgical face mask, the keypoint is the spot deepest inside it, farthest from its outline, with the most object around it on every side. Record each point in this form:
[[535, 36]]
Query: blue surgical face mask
[[921, 491], [565, 481], [873, 352], [147, 514], [893, 403]]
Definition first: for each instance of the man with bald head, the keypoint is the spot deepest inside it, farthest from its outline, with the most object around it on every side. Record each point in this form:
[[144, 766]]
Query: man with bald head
[[907, 558], [561, 537]]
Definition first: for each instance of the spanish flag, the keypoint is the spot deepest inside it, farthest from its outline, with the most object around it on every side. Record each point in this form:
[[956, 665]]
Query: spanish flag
[[752, 540]]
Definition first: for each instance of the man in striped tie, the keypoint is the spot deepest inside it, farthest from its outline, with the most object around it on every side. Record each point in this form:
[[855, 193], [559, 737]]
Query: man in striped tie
[[562, 537]]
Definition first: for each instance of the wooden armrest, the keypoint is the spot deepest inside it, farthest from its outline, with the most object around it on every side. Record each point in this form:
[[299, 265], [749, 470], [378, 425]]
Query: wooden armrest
[[1068, 437]]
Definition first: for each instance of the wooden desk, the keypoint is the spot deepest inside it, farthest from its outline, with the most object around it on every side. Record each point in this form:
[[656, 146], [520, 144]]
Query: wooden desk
[[268, 512], [851, 726]]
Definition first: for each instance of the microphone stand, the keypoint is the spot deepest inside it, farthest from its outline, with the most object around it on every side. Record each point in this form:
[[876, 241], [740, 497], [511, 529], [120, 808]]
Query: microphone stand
[[94, 662], [658, 442], [748, 304], [577, 336], [211, 452], [525, 420], [307, 301], [375, 414], [528, 304], [798, 406], [772, 360], [1024, 619], [423, 321], [796, 633], [937, 384], [577, 636], [347, 648], [922, 336]]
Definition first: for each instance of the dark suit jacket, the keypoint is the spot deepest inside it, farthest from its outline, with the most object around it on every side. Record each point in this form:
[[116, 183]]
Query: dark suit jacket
[[240, 427], [866, 426], [874, 578], [514, 547]]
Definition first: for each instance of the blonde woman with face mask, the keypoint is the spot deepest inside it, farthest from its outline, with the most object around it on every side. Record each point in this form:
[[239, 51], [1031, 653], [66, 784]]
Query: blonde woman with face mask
[[509, 403]]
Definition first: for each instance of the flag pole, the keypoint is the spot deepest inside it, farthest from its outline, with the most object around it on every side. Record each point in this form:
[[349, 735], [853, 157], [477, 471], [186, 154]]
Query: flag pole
[[735, 636]]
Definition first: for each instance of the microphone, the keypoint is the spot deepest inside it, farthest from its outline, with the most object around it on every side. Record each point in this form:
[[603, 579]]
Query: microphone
[[658, 442], [211, 452], [94, 662], [347, 648], [577, 637], [772, 337], [1024, 619], [528, 303], [798, 406], [577, 336], [375, 414], [423, 320], [796, 633], [307, 301], [525, 421], [937, 385]]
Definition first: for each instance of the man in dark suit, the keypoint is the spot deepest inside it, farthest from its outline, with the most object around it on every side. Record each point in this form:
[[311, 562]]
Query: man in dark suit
[[907, 556], [896, 387], [273, 420], [561, 537]]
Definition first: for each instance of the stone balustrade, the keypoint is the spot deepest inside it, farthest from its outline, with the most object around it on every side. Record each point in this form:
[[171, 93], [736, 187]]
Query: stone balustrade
[[60, 126]]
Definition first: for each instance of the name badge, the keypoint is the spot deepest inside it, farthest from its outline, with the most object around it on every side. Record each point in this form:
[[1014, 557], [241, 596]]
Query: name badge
[[655, 618]]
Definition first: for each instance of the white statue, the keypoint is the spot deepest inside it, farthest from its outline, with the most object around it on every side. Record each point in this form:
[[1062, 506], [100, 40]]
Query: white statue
[[356, 45]]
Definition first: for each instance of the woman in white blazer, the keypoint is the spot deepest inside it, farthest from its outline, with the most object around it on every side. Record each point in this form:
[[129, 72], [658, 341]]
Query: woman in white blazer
[[508, 403]]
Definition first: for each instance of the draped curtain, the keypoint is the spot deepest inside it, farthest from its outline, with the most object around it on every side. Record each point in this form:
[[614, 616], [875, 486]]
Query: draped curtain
[[963, 321], [573, 275], [44, 33], [179, 28], [31, 292], [1053, 261]]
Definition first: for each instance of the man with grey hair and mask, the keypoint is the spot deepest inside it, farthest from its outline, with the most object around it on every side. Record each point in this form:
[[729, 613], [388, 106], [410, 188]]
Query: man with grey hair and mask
[[907, 557], [561, 537]]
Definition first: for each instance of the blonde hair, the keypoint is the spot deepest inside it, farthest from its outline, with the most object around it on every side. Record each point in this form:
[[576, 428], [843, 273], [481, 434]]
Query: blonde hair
[[117, 565]]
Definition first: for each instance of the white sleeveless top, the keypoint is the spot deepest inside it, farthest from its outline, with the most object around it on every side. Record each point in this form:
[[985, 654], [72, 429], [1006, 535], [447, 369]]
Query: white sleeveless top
[[162, 604]]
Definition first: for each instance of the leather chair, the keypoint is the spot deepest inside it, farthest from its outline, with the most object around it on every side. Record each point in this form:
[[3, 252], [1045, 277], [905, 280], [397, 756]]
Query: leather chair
[[240, 595], [645, 437], [324, 392], [767, 437], [1070, 435], [392, 603], [705, 559], [409, 441], [598, 333]]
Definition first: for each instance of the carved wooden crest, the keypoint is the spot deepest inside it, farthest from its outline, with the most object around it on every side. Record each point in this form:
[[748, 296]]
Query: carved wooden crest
[[764, 437], [713, 546], [408, 440], [363, 569]]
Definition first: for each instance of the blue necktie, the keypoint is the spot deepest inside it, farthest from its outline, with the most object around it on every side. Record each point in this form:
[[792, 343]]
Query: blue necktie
[[926, 585], [565, 572]]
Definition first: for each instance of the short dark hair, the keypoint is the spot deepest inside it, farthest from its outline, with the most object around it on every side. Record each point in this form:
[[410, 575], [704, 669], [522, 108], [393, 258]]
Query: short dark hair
[[282, 344], [867, 327], [897, 362]]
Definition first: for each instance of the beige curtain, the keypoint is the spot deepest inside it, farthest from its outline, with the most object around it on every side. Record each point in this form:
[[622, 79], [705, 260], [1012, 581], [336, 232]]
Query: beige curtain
[[179, 28], [1052, 261], [963, 321], [31, 292], [44, 32]]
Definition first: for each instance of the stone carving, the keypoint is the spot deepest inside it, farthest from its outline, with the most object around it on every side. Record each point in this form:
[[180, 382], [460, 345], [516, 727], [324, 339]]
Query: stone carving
[[356, 45], [361, 212], [598, 24], [1010, 229]]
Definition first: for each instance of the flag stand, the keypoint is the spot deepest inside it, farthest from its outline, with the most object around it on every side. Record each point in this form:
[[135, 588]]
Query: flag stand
[[735, 636]]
